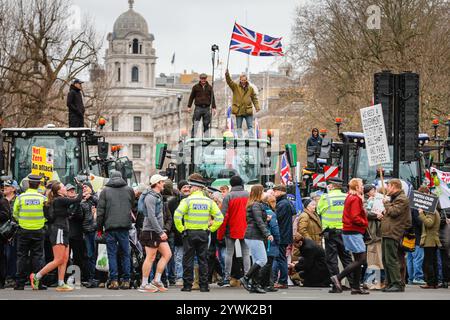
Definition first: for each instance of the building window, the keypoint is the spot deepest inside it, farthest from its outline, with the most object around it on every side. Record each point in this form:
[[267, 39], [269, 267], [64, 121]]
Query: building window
[[137, 151], [135, 46], [140, 48], [138, 176], [135, 74], [115, 123], [118, 74], [137, 123]]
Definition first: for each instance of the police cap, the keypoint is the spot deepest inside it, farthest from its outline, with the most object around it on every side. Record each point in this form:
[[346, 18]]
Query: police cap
[[35, 178], [336, 180], [196, 183]]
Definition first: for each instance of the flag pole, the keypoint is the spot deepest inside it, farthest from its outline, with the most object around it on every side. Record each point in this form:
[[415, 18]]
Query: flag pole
[[229, 47]]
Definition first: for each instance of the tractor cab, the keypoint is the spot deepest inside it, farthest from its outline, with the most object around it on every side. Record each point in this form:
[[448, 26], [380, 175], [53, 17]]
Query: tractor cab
[[350, 156], [218, 159], [69, 150]]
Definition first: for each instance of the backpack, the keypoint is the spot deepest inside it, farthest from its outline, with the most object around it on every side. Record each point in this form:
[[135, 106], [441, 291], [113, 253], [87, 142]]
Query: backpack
[[142, 208]]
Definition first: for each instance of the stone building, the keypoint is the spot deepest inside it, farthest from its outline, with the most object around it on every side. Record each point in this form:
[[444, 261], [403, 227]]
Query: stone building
[[139, 114]]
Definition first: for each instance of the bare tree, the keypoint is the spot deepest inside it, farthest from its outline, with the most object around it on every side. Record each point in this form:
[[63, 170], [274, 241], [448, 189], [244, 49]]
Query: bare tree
[[40, 55], [338, 54]]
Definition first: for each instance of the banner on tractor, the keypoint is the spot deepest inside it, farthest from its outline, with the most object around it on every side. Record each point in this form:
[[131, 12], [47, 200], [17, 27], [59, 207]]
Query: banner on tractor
[[42, 162]]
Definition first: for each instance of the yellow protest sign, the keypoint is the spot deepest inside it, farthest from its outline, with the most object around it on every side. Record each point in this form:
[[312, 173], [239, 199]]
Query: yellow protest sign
[[42, 162]]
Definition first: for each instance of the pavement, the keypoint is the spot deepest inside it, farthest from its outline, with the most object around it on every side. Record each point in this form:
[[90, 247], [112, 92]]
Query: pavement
[[218, 293]]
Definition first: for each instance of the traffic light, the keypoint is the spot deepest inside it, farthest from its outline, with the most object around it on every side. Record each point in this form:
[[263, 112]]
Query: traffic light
[[291, 155], [384, 95], [409, 116], [161, 152]]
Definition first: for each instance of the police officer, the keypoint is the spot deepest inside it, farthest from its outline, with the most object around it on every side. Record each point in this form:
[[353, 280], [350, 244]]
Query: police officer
[[196, 211], [331, 208], [29, 213]]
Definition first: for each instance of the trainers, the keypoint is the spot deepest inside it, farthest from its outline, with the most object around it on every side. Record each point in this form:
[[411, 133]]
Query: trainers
[[418, 282], [160, 286], [148, 288], [34, 282], [226, 283], [64, 288]]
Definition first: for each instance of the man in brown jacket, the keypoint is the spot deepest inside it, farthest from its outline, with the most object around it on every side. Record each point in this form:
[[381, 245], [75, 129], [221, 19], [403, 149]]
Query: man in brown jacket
[[203, 95], [244, 98], [396, 219]]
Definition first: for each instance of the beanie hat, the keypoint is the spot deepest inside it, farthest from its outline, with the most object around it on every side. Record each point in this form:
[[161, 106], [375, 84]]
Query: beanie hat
[[306, 202], [368, 188], [181, 184], [236, 181]]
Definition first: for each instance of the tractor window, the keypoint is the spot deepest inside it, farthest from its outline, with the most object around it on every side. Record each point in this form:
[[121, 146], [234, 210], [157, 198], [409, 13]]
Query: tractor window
[[408, 170], [66, 165], [214, 162]]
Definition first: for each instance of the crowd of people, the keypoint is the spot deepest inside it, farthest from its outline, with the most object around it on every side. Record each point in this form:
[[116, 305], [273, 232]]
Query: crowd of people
[[193, 235]]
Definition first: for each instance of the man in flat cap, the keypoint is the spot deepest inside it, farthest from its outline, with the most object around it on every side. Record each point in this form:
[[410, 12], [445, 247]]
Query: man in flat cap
[[203, 95], [331, 209], [76, 105]]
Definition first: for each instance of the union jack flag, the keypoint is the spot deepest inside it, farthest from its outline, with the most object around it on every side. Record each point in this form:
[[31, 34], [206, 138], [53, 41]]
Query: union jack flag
[[285, 173], [254, 43]]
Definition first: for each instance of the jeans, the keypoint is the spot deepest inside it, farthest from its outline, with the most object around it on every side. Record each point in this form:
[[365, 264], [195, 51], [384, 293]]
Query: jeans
[[249, 121], [201, 113], [89, 241], [230, 245], [171, 271], [11, 259], [280, 265], [114, 239], [414, 261], [258, 251], [179, 262]]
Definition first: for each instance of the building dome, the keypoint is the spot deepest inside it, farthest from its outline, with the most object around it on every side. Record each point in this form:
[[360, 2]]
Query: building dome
[[130, 22]]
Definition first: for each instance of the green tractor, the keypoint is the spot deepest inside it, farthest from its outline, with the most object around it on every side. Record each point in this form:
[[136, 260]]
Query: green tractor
[[72, 150], [218, 159]]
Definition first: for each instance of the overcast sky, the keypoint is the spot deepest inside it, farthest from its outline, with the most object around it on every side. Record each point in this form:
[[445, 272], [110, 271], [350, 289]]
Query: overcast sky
[[190, 27]]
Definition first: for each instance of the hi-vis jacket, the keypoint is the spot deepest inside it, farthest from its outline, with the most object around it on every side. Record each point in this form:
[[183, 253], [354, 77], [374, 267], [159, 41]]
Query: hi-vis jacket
[[196, 211], [331, 209], [29, 210]]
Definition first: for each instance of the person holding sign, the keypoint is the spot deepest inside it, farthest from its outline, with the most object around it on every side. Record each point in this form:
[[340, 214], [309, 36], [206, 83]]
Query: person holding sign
[[58, 215], [431, 243]]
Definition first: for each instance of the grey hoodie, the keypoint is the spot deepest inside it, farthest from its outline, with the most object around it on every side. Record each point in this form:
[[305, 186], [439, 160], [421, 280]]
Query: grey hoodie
[[154, 221], [115, 204]]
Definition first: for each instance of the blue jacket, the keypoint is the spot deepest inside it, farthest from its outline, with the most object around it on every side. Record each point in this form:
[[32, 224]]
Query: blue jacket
[[285, 212], [272, 225]]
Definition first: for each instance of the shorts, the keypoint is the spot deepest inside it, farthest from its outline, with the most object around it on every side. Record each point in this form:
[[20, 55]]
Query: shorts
[[59, 236], [150, 239]]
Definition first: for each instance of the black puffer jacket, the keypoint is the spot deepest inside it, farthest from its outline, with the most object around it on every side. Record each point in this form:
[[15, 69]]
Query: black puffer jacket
[[5, 209], [75, 102], [115, 204], [256, 222], [89, 223], [173, 203]]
